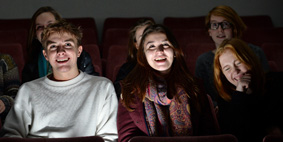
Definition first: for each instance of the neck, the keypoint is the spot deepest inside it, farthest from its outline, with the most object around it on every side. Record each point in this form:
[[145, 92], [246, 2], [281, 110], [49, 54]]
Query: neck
[[65, 76]]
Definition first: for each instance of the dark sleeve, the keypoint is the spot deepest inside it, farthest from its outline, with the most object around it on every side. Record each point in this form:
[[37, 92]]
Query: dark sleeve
[[207, 123], [29, 72], [11, 84], [259, 52], [204, 71], [85, 64], [125, 69], [126, 125]]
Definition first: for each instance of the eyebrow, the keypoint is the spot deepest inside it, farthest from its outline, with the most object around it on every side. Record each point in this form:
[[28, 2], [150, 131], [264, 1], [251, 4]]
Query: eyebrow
[[67, 40], [153, 41]]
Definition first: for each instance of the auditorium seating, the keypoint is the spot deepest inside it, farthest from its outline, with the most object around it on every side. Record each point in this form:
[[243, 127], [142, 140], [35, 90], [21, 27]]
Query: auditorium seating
[[114, 37], [273, 138], [210, 138], [184, 22], [189, 32], [186, 36], [254, 21], [89, 28], [15, 36], [116, 58], [69, 139], [119, 23], [274, 53], [192, 52], [94, 52]]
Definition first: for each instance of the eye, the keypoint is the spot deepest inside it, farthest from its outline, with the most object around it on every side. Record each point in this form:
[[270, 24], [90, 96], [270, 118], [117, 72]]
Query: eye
[[151, 47], [39, 28], [227, 69], [238, 63], [226, 25], [166, 45], [52, 47], [213, 26]]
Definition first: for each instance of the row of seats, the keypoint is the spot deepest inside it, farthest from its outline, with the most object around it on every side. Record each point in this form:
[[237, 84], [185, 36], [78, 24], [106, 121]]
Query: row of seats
[[210, 138], [111, 53]]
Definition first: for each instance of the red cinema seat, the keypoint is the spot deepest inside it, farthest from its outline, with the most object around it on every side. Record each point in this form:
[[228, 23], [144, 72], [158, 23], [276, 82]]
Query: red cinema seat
[[116, 58], [93, 51], [274, 53]]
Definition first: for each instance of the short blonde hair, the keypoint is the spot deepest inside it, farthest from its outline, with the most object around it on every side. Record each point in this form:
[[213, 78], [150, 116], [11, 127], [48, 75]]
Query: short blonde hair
[[61, 27]]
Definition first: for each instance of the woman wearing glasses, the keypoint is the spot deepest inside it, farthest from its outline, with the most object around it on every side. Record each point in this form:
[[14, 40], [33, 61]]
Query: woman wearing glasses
[[222, 22]]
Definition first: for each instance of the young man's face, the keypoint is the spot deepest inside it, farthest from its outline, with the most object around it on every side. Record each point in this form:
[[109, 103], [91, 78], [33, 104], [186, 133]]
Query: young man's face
[[62, 52]]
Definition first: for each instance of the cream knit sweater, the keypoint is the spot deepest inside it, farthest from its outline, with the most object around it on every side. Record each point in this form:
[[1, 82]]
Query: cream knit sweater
[[84, 106]]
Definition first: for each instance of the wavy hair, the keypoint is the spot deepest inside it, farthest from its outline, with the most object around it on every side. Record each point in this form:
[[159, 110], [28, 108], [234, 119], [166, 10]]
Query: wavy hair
[[132, 50], [246, 56], [135, 84]]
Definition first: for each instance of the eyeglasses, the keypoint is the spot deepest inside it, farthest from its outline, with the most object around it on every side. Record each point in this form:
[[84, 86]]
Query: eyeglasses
[[224, 25]]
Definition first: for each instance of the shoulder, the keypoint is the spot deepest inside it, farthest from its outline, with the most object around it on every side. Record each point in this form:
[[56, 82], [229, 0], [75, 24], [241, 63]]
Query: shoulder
[[207, 56], [7, 60], [255, 48], [97, 80]]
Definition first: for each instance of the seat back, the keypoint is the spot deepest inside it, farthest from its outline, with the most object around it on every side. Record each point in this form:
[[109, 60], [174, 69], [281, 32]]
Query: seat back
[[186, 36], [120, 23], [89, 28], [70, 139], [193, 50], [94, 52], [184, 22], [273, 138], [114, 37], [274, 52], [210, 138], [258, 21], [15, 36], [116, 58]]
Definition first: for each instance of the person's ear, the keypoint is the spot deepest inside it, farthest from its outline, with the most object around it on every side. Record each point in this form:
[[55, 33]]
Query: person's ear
[[136, 45], [45, 55], [80, 50]]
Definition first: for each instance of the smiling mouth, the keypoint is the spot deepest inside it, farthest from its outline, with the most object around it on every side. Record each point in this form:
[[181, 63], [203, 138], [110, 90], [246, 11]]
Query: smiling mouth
[[160, 59], [62, 60]]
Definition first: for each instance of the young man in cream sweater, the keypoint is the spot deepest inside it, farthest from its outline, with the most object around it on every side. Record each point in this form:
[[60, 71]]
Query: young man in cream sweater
[[68, 102]]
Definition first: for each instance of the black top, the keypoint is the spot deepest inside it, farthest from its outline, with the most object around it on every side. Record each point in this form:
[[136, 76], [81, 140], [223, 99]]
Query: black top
[[250, 116], [125, 69]]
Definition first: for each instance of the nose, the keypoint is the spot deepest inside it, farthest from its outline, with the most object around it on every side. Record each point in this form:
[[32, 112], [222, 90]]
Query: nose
[[160, 48], [60, 50], [220, 29]]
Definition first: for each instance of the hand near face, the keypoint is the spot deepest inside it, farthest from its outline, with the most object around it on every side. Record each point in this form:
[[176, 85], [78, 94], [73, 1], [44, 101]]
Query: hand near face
[[2, 106], [243, 83]]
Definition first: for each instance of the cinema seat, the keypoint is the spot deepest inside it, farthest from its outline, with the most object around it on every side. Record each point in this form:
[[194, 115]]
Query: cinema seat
[[94, 52], [70, 139], [274, 52], [210, 138], [116, 58], [273, 138]]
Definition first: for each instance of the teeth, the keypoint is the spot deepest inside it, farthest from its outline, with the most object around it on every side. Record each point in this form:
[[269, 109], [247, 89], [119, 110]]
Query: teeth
[[160, 59], [60, 60]]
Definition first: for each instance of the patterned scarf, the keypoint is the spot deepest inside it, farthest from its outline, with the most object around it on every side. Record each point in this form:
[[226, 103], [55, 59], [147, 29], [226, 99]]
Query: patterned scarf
[[167, 117]]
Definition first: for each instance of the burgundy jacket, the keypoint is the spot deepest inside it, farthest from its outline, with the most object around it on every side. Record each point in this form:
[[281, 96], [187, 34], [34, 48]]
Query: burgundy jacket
[[131, 124]]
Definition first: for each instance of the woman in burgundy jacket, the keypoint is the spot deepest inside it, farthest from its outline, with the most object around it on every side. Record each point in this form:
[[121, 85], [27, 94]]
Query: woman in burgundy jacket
[[159, 96]]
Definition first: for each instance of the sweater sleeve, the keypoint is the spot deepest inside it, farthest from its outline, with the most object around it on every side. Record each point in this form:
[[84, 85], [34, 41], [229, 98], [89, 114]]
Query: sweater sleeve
[[107, 125], [11, 83], [18, 120]]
